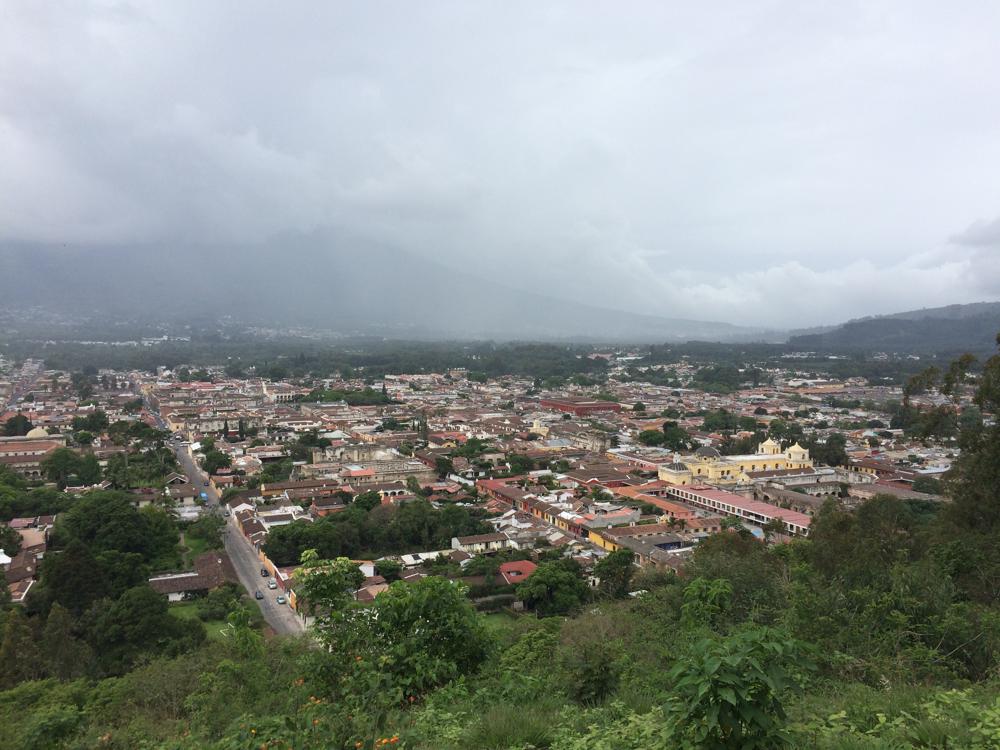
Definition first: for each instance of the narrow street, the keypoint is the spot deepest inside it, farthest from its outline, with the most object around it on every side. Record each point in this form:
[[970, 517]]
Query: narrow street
[[280, 617]]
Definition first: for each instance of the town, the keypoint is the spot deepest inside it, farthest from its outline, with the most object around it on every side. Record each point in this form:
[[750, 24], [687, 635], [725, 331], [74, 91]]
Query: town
[[503, 474], [499, 376]]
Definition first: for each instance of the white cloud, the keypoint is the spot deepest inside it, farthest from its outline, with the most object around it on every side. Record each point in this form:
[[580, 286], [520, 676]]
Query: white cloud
[[777, 163]]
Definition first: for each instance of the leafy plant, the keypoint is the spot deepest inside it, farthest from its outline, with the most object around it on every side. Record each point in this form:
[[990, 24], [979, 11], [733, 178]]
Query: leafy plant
[[729, 693]]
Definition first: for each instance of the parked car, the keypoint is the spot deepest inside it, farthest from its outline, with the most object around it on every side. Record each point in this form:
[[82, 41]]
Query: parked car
[[264, 573], [281, 599], [206, 484], [258, 595], [272, 584]]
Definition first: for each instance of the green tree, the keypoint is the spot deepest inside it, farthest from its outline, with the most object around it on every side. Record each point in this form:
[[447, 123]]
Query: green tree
[[520, 463], [368, 500], [20, 658], [136, 625], [831, 452], [675, 437], [73, 577], [706, 601], [65, 655], [17, 426], [325, 585], [554, 588], [972, 520], [94, 422], [88, 470], [413, 637], [443, 465], [132, 407], [615, 571], [10, 541], [591, 673], [729, 693], [108, 522], [207, 529], [650, 437], [215, 460], [388, 569], [720, 420], [930, 485], [755, 572], [60, 465]]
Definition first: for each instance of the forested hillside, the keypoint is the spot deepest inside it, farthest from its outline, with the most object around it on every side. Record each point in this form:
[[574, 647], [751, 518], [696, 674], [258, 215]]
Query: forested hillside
[[881, 630], [943, 330]]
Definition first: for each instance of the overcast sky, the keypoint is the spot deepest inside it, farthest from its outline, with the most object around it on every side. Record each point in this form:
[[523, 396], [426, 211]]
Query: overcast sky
[[775, 163]]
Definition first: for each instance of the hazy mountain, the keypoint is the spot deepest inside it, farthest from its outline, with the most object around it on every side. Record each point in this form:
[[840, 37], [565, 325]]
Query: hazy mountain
[[954, 328], [320, 280], [949, 312]]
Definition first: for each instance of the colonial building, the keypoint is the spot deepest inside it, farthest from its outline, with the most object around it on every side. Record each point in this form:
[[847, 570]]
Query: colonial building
[[707, 466], [25, 454]]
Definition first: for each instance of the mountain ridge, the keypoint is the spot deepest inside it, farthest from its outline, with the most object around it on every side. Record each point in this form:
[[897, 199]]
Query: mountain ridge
[[951, 328], [327, 281]]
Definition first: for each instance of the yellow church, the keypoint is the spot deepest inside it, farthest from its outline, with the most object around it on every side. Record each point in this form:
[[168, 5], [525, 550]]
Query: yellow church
[[707, 465]]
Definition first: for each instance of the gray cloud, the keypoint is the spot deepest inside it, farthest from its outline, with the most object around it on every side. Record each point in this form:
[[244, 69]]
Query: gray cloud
[[980, 234], [772, 162]]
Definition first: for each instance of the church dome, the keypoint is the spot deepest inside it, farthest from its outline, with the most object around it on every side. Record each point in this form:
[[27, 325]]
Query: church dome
[[707, 451], [37, 432]]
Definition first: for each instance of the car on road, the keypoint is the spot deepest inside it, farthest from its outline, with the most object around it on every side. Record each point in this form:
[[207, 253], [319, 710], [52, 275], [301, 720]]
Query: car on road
[[281, 599], [205, 484], [258, 595], [272, 585], [263, 572]]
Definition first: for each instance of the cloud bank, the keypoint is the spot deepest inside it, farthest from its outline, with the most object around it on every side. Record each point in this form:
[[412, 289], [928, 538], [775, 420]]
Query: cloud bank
[[768, 163]]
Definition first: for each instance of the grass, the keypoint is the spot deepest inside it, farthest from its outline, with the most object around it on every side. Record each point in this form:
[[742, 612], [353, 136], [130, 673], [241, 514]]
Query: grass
[[500, 622], [189, 611], [508, 726], [192, 546]]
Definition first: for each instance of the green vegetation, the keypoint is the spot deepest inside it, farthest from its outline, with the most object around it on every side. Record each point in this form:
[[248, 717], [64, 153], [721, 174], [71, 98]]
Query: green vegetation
[[200, 536], [364, 397], [555, 588], [91, 617], [18, 500], [308, 358], [375, 530], [724, 421], [719, 379], [930, 485], [95, 422], [215, 460], [672, 436], [64, 466], [881, 630], [17, 426]]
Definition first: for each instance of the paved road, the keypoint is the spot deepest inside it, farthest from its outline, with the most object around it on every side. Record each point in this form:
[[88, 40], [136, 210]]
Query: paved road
[[280, 617]]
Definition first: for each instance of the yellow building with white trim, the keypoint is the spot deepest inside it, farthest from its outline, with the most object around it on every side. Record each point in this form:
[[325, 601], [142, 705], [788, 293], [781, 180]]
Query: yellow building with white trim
[[707, 465]]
